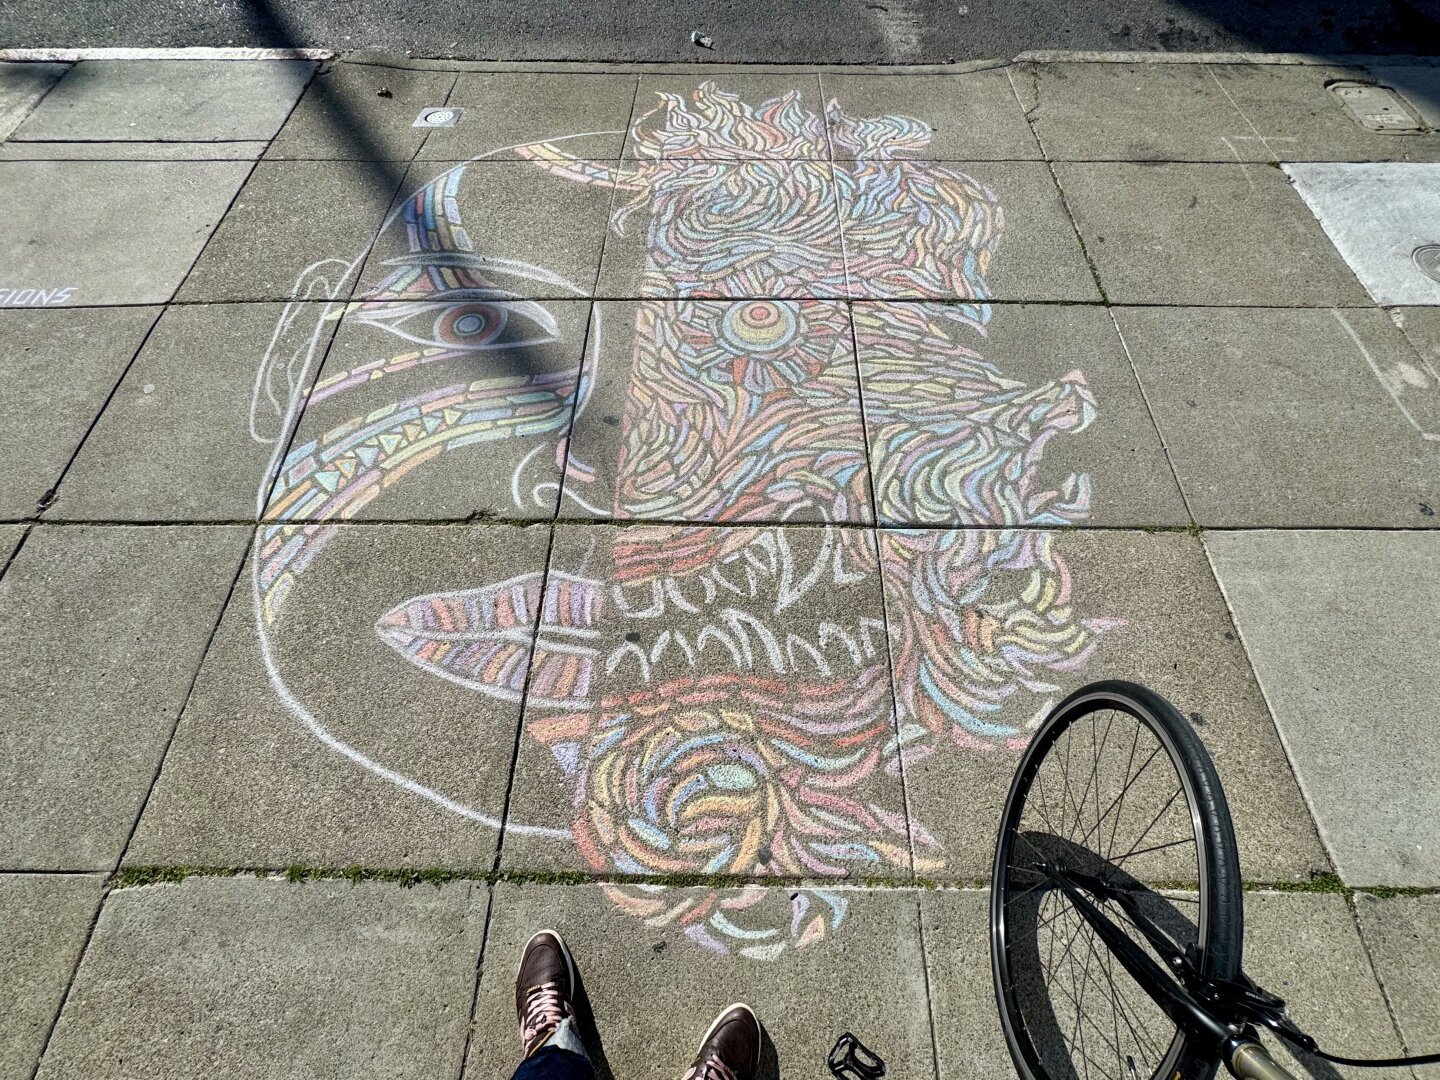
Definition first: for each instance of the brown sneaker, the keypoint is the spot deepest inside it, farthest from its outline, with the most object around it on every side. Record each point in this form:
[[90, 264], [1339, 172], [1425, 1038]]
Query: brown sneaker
[[730, 1049], [544, 989]]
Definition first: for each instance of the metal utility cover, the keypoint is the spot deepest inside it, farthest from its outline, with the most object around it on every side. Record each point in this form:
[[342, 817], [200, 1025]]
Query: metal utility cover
[[438, 116], [1377, 108], [1427, 259], [1381, 217]]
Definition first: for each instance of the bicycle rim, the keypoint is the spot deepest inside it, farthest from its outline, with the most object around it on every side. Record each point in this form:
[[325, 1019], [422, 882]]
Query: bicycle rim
[[1081, 1017]]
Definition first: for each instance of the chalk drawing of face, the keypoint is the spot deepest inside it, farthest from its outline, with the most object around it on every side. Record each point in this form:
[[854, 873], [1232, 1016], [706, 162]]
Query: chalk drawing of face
[[692, 733]]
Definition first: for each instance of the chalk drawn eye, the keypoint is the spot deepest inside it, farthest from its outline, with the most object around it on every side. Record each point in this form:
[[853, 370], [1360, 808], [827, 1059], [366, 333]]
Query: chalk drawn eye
[[760, 326], [469, 325]]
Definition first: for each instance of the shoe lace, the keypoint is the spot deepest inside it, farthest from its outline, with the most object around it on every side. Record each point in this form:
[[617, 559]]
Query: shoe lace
[[545, 1008], [710, 1067]]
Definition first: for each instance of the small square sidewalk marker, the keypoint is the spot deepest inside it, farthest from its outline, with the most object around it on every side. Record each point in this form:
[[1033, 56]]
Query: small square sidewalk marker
[[438, 118]]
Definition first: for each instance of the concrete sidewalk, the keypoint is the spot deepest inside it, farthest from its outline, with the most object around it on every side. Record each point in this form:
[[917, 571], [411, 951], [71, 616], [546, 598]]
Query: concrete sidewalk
[[449, 500]]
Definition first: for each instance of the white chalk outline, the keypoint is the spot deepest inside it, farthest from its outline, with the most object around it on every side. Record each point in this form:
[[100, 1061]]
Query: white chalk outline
[[1429, 436], [298, 392]]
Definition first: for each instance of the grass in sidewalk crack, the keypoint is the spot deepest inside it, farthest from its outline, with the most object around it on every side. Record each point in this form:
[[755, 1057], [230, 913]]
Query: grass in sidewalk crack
[[138, 876]]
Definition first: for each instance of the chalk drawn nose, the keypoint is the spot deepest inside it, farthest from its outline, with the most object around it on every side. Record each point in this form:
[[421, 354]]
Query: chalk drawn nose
[[1427, 260]]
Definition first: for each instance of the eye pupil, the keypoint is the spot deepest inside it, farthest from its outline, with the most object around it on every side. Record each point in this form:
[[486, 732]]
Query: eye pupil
[[469, 324]]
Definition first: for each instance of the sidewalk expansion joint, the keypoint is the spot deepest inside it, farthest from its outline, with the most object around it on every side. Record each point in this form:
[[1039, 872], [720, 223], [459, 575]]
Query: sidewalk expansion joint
[[129, 877]]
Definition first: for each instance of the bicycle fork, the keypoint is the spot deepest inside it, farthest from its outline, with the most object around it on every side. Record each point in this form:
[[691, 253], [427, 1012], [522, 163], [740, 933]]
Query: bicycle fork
[[1248, 1060]]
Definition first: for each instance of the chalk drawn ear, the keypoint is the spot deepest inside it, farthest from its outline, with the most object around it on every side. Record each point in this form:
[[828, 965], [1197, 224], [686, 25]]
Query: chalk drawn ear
[[294, 346], [292, 358]]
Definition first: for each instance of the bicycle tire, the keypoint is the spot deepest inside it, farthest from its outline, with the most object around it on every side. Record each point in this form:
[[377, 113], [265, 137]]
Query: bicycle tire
[[1220, 923]]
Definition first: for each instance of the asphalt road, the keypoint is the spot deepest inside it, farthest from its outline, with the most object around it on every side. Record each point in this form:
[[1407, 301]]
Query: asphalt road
[[743, 31]]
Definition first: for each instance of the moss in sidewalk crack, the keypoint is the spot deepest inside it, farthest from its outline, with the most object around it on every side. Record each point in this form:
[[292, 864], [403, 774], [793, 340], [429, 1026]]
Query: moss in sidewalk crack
[[1319, 882]]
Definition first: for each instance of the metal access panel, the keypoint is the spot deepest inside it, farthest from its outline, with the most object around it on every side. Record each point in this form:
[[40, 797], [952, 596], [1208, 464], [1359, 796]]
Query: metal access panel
[[437, 117], [1377, 108]]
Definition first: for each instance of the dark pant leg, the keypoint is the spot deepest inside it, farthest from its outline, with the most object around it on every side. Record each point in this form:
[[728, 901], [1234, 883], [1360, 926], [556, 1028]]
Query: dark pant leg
[[553, 1063]]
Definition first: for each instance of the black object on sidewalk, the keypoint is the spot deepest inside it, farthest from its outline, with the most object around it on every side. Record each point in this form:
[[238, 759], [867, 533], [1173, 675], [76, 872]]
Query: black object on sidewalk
[[850, 1059]]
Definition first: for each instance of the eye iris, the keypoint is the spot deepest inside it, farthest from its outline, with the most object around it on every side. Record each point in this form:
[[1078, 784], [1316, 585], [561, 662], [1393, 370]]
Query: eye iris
[[470, 324], [761, 326]]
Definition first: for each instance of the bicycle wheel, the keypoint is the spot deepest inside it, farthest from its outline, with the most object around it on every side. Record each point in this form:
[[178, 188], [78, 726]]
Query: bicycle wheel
[[1115, 785]]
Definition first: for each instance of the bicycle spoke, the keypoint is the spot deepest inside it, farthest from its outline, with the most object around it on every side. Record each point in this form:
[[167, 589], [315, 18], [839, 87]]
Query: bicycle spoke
[[1065, 778], [1154, 821], [1070, 944], [1080, 1009], [1119, 997], [1114, 991], [1044, 803], [1094, 770], [1157, 847], [1080, 1014], [1129, 781], [1124, 787]]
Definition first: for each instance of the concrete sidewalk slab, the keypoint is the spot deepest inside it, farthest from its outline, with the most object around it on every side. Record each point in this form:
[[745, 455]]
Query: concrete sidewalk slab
[[1025, 251], [106, 628], [1340, 627], [288, 218], [1175, 234], [968, 117], [756, 92], [720, 411], [1403, 936], [43, 418], [47, 920], [1281, 418], [131, 151], [1134, 112], [360, 112], [169, 100], [1299, 119], [22, 86], [1124, 605], [1380, 218], [653, 991], [968, 1036], [469, 401], [586, 115], [365, 715], [1422, 328], [1306, 948], [506, 225], [230, 977], [710, 701], [1044, 379], [111, 232], [10, 536], [172, 443]]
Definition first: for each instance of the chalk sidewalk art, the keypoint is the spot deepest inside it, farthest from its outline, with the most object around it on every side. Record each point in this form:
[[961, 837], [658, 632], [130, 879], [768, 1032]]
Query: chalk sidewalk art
[[728, 745]]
